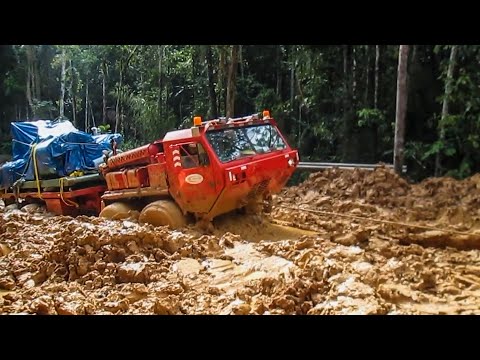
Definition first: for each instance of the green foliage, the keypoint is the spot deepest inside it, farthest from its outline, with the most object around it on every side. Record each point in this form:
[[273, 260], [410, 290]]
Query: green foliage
[[369, 117], [104, 128], [416, 151], [5, 147], [130, 144], [463, 171], [43, 109], [265, 98], [160, 88]]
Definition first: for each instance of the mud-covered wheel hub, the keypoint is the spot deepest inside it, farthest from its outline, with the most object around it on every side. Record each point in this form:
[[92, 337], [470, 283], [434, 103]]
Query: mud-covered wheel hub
[[118, 211], [163, 213]]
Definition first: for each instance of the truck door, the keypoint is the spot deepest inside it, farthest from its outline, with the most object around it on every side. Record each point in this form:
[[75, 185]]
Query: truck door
[[192, 183]]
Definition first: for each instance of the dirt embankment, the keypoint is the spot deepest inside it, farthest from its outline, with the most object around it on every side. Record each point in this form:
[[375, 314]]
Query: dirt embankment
[[440, 212]]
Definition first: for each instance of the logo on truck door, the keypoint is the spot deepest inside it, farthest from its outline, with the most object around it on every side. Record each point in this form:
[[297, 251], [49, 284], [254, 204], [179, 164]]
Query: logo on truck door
[[194, 179]]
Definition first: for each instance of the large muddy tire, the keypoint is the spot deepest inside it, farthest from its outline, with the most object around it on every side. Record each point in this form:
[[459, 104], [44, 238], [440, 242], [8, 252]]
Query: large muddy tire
[[118, 211], [163, 213]]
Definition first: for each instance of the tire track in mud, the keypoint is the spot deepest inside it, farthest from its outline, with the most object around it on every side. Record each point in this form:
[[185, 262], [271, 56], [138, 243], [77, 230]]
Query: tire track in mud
[[450, 207]]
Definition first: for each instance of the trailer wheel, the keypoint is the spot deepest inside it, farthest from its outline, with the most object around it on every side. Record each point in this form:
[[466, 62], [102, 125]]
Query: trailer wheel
[[163, 213]]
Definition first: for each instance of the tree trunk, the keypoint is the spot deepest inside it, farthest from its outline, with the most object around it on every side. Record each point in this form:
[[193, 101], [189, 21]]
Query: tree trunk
[[211, 84], [240, 63], [354, 75], [402, 96], [86, 106], [94, 124], [38, 95], [123, 68], [167, 73], [72, 92], [278, 88], [367, 75], [29, 89], [160, 58], [221, 80], [62, 87], [445, 113], [292, 84], [104, 92], [377, 75], [194, 77], [117, 106], [347, 104], [232, 79]]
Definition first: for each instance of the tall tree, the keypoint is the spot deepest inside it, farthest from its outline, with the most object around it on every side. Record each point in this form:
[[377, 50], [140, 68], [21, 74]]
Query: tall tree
[[62, 85], [29, 89], [347, 102], [104, 71], [222, 76], [377, 75], [123, 66], [367, 75], [402, 96], [73, 93], [232, 81], [211, 83], [160, 78], [86, 104], [278, 88], [445, 113], [354, 74]]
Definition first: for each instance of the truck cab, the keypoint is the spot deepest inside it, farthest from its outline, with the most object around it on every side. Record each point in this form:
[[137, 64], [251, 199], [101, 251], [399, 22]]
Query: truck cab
[[225, 165]]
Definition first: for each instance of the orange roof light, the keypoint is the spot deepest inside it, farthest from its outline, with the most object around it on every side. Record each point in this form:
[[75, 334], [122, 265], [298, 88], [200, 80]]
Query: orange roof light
[[266, 113], [197, 121]]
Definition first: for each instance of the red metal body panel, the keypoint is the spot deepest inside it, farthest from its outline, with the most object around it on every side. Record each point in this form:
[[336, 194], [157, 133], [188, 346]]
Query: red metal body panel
[[194, 189], [259, 175], [88, 200], [156, 175], [141, 155]]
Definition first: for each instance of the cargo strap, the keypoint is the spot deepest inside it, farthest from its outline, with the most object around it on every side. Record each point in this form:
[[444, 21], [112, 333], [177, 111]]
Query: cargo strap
[[37, 178], [66, 201]]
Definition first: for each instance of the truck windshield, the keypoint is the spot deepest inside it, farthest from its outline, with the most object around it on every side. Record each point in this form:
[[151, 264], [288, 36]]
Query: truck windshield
[[235, 143]]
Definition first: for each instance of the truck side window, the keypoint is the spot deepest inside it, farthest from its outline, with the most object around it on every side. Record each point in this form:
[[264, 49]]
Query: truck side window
[[193, 155], [189, 156]]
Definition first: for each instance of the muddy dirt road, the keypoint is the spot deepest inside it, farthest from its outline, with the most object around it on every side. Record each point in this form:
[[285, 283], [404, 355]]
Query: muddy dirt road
[[324, 264]]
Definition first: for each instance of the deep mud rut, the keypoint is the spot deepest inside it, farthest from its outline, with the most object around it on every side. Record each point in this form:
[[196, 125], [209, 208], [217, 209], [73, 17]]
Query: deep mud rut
[[322, 264]]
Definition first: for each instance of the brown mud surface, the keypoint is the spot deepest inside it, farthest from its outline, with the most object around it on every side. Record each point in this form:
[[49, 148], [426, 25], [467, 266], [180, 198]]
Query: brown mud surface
[[250, 265], [440, 212]]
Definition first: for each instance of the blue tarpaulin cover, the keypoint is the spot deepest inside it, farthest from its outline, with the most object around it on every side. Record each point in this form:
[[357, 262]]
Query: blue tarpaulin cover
[[59, 148]]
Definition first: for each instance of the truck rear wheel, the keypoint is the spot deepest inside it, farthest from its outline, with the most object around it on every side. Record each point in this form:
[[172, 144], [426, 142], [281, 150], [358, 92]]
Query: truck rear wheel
[[118, 211], [163, 213]]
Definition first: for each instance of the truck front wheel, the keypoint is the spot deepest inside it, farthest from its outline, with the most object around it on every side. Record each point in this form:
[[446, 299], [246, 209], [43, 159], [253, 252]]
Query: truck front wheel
[[163, 213]]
